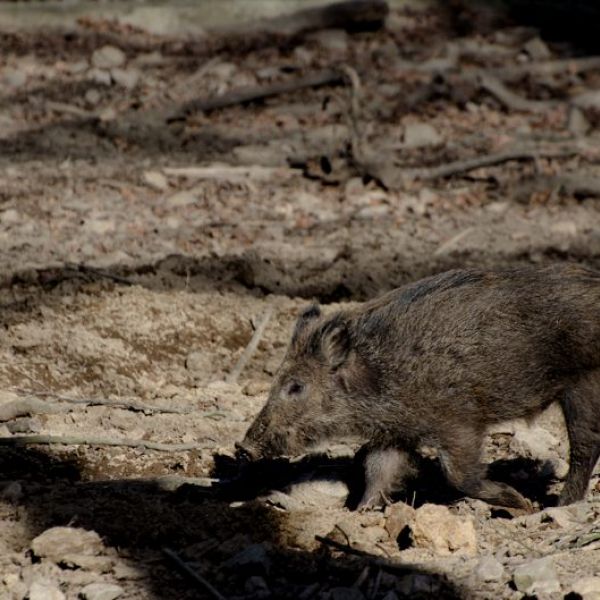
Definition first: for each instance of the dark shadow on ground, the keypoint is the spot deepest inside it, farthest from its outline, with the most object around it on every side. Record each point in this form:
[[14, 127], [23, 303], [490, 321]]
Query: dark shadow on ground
[[139, 519], [244, 481]]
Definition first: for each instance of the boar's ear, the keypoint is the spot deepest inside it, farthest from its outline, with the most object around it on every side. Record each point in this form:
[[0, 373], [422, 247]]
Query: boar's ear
[[335, 342], [308, 314]]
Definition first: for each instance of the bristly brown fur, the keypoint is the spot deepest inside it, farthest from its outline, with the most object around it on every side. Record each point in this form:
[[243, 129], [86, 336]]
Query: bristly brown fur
[[435, 363]]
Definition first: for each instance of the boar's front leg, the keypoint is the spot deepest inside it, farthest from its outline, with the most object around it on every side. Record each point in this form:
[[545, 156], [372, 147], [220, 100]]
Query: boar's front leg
[[460, 457], [385, 470]]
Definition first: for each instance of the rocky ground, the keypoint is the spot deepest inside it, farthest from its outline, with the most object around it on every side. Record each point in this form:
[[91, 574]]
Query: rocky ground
[[141, 243]]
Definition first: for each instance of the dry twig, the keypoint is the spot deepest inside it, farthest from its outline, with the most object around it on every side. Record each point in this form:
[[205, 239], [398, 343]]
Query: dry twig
[[77, 440], [192, 574], [125, 404], [511, 100], [249, 94], [251, 347]]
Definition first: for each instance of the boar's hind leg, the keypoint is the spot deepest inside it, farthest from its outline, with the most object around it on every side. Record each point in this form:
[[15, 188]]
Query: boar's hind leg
[[581, 407], [385, 471], [460, 458]]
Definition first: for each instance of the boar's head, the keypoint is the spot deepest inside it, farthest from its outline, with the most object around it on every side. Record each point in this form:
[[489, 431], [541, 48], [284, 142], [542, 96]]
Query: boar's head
[[313, 390]]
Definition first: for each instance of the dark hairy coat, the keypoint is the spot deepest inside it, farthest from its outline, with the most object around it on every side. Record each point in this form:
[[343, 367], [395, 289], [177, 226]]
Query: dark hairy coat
[[438, 361]]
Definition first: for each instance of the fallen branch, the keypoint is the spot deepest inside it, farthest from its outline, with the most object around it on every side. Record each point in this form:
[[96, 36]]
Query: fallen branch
[[79, 268], [511, 100], [470, 164], [550, 67], [250, 94], [19, 441], [22, 407], [192, 574], [382, 563], [125, 404], [250, 349]]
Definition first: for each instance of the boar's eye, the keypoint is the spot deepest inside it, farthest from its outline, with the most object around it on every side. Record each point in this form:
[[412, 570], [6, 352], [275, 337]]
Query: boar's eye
[[295, 388]]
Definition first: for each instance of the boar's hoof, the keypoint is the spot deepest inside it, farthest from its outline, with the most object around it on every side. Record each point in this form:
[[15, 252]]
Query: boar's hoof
[[373, 501]]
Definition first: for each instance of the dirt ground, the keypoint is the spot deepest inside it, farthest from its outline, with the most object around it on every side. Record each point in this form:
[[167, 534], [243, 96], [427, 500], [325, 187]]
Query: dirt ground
[[138, 253]]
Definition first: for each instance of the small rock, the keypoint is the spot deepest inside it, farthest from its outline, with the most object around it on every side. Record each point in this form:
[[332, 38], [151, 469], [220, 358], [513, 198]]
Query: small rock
[[534, 441], [127, 572], [537, 49], [536, 576], [43, 590], [489, 569], [588, 588], [101, 591], [566, 228], [57, 542], [320, 493], [397, 517], [577, 124], [587, 100], [346, 593], [108, 57], [253, 559], [92, 96], [100, 76], [127, 78], [183, 198], [436, 528], [567, 516], [282, 500], [335, 40], [257, 586], [25, 425], [10, 217], [13, 78], [155, 180], [418, 134], [96, 564]]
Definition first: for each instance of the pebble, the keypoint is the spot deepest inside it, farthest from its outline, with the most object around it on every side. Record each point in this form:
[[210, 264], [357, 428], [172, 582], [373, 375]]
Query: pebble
[[417, 135], [335, 40], [588, 588], [100, 76], [437, 529], [92, 96], [537, 49], [537, 577], [58, 542], [43, 590], [127, 78], [108, 57], [155, 180], [101, 591], [397, 517], [534, 441], [489, 569]]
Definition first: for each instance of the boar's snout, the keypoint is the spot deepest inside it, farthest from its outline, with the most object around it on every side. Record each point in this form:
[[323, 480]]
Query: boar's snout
[[245, 451]]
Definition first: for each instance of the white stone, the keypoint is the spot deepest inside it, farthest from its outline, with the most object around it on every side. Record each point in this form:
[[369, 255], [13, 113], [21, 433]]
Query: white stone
[[436, 528], [419, 134], [127, 78], [155, 180], [101, 591], [489, 569], [43, 590], [108, 57], [537, 577], [57, 542]]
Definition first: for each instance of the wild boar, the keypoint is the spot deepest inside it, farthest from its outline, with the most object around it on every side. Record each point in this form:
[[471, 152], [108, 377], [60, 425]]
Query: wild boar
[[435, 363]]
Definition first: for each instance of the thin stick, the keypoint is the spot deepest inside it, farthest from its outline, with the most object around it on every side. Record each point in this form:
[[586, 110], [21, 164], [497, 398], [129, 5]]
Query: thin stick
[[249, 94], [192, 574], [126, 404], [511, 100], [470, 164], [99, 272], [382, 563], [76, 440], [251, 347]]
